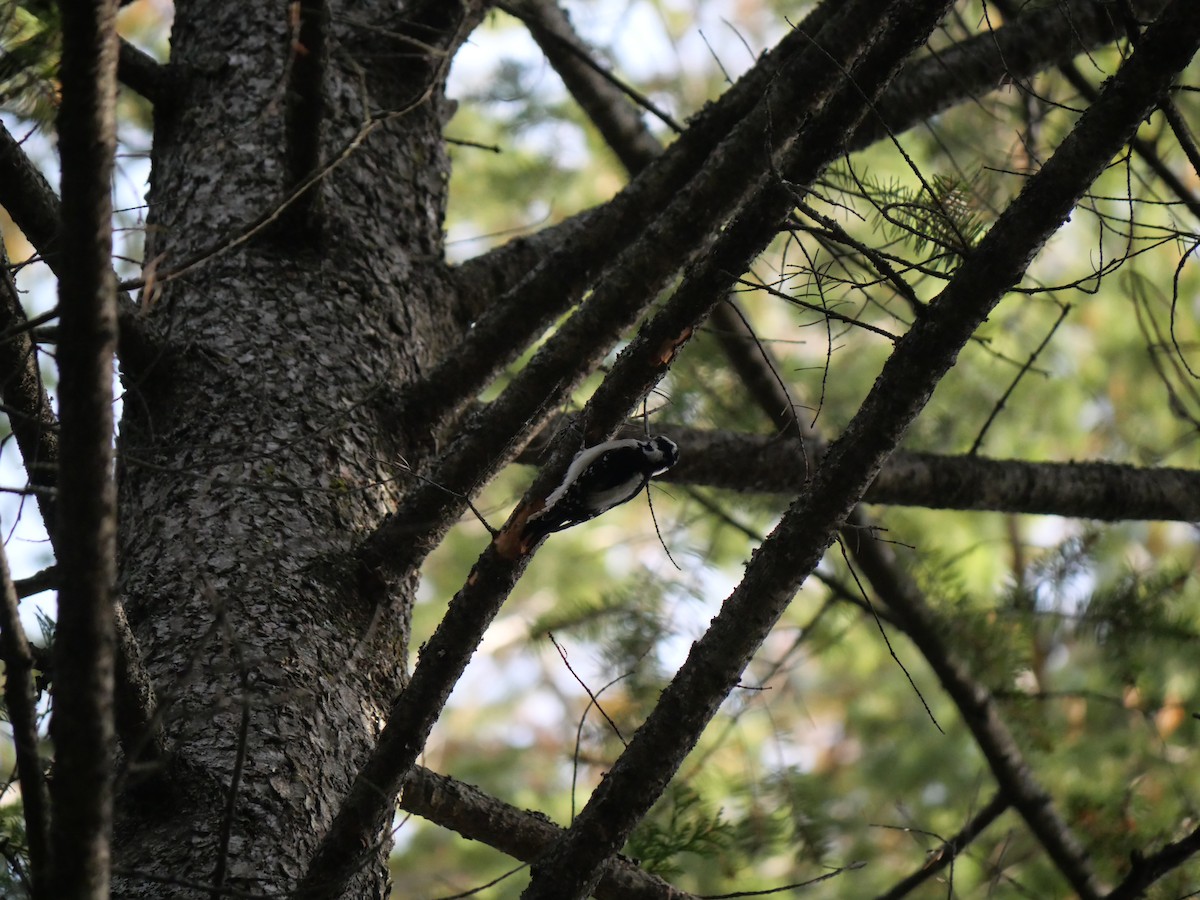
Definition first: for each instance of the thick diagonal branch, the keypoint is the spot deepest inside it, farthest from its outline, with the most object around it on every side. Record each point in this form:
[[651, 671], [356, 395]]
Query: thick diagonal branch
[[28, 198], [1141, 147], [570, 869], [1148, 869]]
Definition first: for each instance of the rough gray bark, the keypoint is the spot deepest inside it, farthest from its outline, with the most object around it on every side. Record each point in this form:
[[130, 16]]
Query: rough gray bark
[[250, 456]]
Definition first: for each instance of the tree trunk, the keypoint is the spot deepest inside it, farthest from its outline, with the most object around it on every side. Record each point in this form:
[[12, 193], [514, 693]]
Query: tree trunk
[[251, 453]]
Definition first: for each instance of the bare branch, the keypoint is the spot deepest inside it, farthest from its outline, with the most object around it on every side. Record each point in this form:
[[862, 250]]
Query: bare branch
[[642, 237], [1053, 34], [1084, 490], [28, 198], [142, 73], [1174, 118], [999, 405], [1145, 870], [522, 835], [401, 543], [627, 135], [1141, 147], [82, 721], [570, 869], [605, 102], [678, 233], [757, 370], [45, 580]]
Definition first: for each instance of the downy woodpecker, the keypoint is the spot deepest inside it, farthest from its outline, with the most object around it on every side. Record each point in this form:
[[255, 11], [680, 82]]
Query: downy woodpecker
[[600, 478]]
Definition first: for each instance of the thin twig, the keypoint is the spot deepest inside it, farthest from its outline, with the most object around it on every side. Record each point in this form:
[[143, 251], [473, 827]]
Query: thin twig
[[546, 22], [595, 702], [579, 736], [471, 892], [1012, 386], [886, 640], [823, 310], [20, 703], [944, 855], [788, 887]]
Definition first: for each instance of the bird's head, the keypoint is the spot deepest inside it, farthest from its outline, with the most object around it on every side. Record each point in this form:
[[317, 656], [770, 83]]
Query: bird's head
[[661, 452]]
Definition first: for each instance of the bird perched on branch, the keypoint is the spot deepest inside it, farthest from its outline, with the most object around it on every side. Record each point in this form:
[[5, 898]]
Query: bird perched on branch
[[600, 478]]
